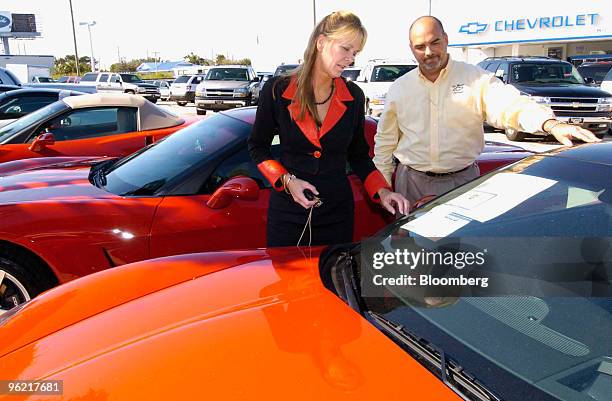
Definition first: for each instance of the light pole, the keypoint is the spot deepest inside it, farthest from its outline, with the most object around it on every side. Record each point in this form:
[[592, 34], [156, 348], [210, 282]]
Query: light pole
[[76, 53], [314, 12], [89, 25]]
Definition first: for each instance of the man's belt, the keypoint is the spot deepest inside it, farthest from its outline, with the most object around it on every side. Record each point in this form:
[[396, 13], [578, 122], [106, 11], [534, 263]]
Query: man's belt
[[433, 174]]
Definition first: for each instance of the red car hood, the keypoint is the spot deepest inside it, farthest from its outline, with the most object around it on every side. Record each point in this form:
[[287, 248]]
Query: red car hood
[[158, 330], [48, 179]]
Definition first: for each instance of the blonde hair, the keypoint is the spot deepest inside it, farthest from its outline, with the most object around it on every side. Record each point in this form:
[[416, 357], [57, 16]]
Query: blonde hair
[[339, 24]]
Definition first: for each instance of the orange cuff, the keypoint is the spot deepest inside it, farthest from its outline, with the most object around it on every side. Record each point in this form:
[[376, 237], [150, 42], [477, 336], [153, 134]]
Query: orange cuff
[[273, 171], [373, 183]]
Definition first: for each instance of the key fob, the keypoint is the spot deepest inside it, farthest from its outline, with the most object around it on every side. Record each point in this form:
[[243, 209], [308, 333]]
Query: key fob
[[308, 194]]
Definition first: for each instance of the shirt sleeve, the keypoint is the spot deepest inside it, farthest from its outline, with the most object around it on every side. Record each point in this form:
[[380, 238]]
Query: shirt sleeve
[[359, 157], [260, 140], [505, 107], [387, 137]]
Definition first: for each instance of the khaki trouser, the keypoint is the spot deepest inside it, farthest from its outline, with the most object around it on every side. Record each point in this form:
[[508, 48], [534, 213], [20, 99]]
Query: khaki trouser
[[415, 185]]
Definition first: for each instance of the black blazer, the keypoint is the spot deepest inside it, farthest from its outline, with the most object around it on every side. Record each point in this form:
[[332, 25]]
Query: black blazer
[[306, 151]]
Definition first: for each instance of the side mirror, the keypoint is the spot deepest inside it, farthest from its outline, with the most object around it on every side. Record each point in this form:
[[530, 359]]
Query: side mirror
[[42, 141], [422, 201], [117, 81], [244, 188], [589, 81]]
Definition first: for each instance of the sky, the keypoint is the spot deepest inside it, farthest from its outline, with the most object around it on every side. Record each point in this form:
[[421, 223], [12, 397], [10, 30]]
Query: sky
[[269, 32]]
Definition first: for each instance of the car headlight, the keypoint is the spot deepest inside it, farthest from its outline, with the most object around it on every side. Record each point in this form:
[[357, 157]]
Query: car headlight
[[378, 99], [241, 92], [605, 104], [540, 99], [198, 92]]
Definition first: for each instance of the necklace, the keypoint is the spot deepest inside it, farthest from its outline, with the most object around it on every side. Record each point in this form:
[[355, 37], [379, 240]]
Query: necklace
[[331, 92]]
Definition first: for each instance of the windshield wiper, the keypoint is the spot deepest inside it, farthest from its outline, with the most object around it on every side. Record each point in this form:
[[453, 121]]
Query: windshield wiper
[[97, 172], [433, 358]]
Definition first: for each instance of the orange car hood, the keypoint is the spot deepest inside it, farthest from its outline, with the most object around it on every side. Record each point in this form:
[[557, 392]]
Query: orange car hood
[[159, 330]]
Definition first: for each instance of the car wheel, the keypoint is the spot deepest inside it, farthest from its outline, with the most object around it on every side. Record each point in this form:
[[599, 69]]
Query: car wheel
[[21, 278], [181, 103], [130, 92], [200, 112], [514, 135]]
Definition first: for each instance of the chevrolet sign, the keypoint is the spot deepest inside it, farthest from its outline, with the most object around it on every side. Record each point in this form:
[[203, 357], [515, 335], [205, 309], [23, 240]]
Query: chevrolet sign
[[473, 28]]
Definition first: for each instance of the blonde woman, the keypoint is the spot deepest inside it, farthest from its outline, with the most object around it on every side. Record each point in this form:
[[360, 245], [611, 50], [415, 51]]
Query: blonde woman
[[320, 120]]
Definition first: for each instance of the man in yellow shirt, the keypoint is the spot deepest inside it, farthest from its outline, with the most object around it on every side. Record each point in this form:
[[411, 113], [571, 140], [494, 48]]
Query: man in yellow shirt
[[433, 118]]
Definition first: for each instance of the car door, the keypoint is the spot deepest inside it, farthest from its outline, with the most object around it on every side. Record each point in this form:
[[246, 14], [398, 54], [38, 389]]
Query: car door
[[115, 84], [103, 131], [186, 224]]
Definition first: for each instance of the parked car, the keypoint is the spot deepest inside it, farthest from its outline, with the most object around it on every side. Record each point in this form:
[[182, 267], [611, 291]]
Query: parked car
[[183, 89], [351, 73], [558, 85], [8, 78], [263, 78], [285, 69], [107, 82], [606, 83], [69, 79], [6, 88], [376, 78], [41, 80], [97, 124], [594, 73], [299, 323], [164, 88], [227, 87], [191, 192], [18, 103]]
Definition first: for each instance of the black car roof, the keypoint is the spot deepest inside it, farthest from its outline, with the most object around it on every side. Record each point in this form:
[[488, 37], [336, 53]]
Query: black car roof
[[598, 153]]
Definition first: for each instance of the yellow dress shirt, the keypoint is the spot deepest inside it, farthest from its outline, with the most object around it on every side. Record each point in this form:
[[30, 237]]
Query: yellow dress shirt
[[438, 126]]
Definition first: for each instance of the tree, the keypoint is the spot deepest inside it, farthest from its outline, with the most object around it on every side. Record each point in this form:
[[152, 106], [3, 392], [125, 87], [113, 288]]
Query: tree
[[67, 66]]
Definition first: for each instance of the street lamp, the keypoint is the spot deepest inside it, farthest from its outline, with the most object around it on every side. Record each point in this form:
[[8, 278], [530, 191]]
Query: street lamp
[[76, 53], [89, 25]]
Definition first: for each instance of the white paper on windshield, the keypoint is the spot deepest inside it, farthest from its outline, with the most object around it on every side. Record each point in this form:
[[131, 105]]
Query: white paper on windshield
[[490, 199], [439, 222], [498, 194]]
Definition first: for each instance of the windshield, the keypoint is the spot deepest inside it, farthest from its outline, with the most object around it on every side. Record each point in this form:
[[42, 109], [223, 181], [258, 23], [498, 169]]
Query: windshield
[[227, 74], [131, 78], [31, 119], [550, 73], [389, 73], [350, 75], [182, 79], [283, 69], [541, 323], [595, 72], [181, 153]]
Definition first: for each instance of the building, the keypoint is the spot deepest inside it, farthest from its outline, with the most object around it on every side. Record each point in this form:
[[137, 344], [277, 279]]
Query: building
[[529, 28]]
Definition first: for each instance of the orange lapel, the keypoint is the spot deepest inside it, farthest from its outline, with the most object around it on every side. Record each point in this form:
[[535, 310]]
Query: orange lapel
[[336, 108], [307, 124]]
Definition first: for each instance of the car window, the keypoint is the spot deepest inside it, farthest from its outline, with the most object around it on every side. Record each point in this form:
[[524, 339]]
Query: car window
[[545, 73], [389, 73], [20, 106], [186, 155], [103, 78], [182, 79], [492, 67], [351, 75], [89, 77], [238, 164], [228, 74], [94, 122]]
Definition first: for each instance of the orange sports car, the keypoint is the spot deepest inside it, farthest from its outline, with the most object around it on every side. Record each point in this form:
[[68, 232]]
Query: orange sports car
[[93, 125], [332, 324]]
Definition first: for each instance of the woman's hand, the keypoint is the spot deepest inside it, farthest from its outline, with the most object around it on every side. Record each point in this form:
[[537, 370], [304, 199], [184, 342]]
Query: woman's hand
[[296, 187], [392, 200]]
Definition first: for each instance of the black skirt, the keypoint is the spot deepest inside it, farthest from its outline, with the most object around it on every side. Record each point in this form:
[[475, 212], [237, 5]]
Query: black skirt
[[331, 223]]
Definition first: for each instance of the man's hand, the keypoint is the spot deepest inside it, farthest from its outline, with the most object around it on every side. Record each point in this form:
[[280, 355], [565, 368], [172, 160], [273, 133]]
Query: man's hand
[[390, 200], [564, 133]]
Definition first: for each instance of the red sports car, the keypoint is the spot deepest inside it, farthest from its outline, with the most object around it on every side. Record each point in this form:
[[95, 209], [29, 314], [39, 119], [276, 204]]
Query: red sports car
[[302, 324], [88, 125], [193, 191]]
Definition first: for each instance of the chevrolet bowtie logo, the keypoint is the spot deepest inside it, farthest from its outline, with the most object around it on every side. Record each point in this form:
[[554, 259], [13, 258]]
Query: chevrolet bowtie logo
[[473, 28]]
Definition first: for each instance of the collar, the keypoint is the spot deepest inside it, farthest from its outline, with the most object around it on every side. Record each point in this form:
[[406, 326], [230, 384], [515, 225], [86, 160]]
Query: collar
[[308, 125]]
